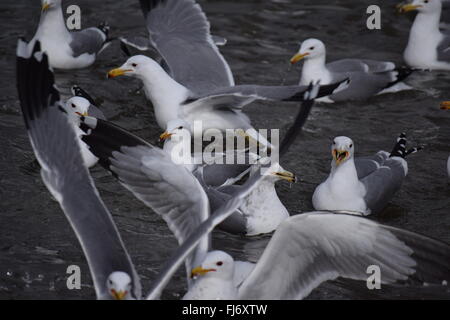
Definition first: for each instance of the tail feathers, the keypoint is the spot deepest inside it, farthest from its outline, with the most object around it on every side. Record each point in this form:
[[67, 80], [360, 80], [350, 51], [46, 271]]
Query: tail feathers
[[400, 150], [104, 27], [403, 72]]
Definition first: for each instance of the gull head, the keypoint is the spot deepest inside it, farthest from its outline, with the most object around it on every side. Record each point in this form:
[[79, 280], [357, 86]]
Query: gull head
[[276, 173], [422, 6], [176, 129], [119, 285], [217, 264], [136, 66], [77, 107], [310, 49], [50, 5], [342, 149]]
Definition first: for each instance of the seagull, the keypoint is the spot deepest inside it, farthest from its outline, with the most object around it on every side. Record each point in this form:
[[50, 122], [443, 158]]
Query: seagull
[[367, 77], [196, 83], [307, 250], [362, 185], [54, 142], [428, 48], [68, 50]]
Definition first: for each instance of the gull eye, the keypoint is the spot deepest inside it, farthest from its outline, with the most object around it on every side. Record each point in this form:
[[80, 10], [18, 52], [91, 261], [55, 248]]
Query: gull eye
[[73, 105], [180, 128], [312, 48], [426, 1], [134, 64], [351, 145], [219, 263]]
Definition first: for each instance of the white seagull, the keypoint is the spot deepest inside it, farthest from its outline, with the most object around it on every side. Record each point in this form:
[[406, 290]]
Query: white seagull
[[362, 185], [68, 50], [367, 77]]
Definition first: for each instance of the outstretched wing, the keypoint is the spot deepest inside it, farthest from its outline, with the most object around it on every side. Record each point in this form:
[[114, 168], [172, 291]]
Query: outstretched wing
[[149, 173], [311, 248], [239, 96], [180, 31], [63, 172]]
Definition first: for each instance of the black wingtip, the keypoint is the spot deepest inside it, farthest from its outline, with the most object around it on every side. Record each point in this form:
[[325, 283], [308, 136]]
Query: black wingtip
[[79, 92], [104, 138], [400, 150], [305, 109], [403, 73], [35, 84], [104, 27]]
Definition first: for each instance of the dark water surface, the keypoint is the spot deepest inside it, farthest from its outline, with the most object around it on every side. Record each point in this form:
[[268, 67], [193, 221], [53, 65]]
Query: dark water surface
[[36, 242]]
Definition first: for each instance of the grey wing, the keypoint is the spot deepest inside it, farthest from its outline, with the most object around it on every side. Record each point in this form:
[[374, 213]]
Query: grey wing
[[239, 96], [235, 223], [89, 41], [367, 165], [311, 248], [360, 65], [203, 230], [382, 184], [63, 172], [149, 173], [367, 77], [180, 31], [444, 49]]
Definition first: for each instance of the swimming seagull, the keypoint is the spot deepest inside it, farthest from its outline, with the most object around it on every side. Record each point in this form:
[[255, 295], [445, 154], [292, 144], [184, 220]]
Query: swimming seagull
[[198, 84], [428, 48], [307, 250], [367, 77], [55, 143], [362, 185], [134, 162], [68, 50]]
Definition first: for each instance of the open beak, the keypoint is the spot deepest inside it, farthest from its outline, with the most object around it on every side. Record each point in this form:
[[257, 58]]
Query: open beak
[[117, 72], [340, 155], [84, 114], [445, 105], [408, 7], [199, 271], [118, 295], [286, 175], [298, 57], [46, 6], [166, 135]]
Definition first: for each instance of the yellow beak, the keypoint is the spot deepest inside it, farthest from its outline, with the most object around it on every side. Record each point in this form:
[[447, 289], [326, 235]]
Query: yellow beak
[[340, 155], [298, 57], [166, 135], [118, 295], [408, 7], [84, 114], [117, 72], [445, 105], [286, 175], [46, 6], [199, 271]]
